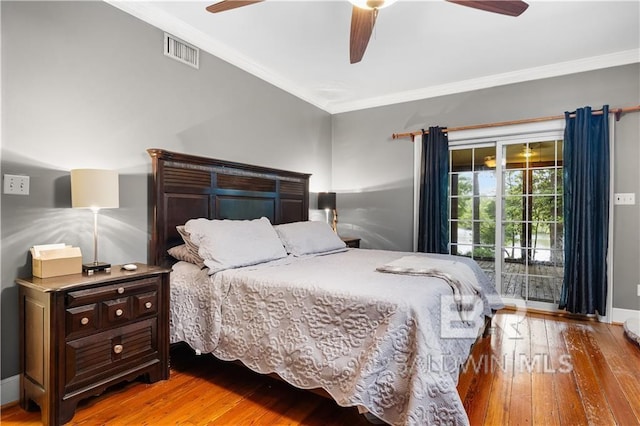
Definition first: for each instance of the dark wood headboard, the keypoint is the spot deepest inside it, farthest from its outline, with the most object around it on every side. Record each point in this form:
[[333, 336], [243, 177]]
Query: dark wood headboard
[[186, 186]]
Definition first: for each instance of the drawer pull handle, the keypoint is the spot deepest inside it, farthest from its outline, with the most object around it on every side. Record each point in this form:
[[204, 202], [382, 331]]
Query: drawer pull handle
[[120, 290], [84, 321], [117, 349], [119, 312], [148, 305]]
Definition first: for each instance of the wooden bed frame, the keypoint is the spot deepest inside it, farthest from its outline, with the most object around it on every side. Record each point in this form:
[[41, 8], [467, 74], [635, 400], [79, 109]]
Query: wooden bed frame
[[186, 186]]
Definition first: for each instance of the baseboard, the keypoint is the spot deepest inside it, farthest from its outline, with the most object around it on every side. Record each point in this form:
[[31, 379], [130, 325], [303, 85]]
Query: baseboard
[[10, 390], [619, 315]]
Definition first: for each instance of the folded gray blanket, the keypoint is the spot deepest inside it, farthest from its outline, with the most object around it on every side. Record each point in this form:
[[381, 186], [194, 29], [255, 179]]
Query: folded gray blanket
[[459, 276]]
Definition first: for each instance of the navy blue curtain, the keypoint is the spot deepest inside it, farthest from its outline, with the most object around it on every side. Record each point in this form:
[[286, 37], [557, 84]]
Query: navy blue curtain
[[586, 211], [433, 234]]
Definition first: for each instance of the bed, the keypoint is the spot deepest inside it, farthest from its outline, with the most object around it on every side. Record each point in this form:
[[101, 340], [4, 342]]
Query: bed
[[380, 330]]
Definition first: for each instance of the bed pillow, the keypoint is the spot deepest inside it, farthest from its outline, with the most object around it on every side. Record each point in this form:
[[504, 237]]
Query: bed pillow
[[310, 237], [183, 253], [191, 246], [226, 244]]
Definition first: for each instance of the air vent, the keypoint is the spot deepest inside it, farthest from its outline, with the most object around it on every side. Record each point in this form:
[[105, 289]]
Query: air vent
[[181, 51]]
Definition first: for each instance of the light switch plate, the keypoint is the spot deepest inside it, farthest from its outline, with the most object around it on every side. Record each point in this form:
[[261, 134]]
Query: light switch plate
[[624, 198], [16, 184]]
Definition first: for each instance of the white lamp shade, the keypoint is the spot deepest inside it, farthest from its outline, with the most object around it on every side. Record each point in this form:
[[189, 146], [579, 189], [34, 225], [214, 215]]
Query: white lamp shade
[[372, 4], [94, 189]]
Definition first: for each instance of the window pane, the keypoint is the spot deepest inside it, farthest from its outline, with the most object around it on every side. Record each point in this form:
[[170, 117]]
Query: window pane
[[483, 157], [559, 212], [513, 208], [461, 184], [512, 249], [542, 288], [557, 287], [464, 234], [559, 148], [487, 233], [461, 160], [557, 263], [556, 237], [511, 154], [486, 183], [543, 181], [543, 154], [540, 256], [541, 236], [453, 232], [559, 181], [484, 253], [513, 182], [512, 234], [487, 209], [543, 208], [461, 208], [513, 285]]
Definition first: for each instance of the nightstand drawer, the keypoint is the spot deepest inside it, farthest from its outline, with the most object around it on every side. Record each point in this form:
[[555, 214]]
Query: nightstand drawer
[[113, 291], [115, 312], [145, 304], [99, 356], [80, 320]]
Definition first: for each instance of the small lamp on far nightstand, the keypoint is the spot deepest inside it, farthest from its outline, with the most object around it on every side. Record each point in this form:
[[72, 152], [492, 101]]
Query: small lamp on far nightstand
[[326, 202], [94, 189]]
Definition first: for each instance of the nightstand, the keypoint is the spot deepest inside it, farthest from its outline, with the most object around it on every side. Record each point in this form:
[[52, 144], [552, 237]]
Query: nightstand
[[351, 241], [80, 334]]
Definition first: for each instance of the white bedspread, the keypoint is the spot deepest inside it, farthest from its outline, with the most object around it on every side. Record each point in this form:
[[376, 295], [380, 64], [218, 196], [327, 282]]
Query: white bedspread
[[369, 339]]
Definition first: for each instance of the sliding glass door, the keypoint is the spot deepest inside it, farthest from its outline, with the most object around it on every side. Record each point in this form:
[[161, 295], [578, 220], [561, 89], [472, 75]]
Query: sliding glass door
[[532, 242], [506, 213]]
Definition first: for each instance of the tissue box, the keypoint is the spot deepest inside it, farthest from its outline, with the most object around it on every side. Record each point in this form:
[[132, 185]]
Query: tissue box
[[56, 262]]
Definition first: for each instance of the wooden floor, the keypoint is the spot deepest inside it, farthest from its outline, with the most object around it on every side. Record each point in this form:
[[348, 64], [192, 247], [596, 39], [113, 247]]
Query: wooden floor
[[534, 369]]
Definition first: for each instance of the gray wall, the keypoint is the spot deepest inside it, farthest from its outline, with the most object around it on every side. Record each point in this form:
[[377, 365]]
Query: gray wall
[[86, 85], [373, 174]]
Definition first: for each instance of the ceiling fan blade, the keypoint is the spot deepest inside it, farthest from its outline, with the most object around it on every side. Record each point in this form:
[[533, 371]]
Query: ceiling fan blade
[[362, 22], [224, 5], [504, 7]]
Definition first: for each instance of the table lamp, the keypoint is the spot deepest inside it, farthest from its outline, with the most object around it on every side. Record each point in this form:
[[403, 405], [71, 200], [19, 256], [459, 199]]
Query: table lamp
[[94, 189], [326, 202]]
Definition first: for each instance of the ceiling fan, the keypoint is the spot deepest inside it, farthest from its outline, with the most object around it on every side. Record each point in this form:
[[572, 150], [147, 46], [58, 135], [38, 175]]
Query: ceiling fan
[[365, 12]]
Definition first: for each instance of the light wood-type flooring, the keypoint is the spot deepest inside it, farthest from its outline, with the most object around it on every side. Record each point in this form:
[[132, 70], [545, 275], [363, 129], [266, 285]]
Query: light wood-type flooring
[[535, 369]]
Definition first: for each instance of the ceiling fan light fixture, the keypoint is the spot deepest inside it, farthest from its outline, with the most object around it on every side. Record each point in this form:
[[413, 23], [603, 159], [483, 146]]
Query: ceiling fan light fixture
[[372, 4], [490, 161]]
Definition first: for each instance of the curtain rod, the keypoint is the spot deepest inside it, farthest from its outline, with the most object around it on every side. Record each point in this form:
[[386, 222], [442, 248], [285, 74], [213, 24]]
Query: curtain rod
[[618, 112]]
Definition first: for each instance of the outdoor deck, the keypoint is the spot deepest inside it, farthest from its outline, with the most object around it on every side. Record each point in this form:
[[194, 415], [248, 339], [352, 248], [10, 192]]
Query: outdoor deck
[[545, 281]]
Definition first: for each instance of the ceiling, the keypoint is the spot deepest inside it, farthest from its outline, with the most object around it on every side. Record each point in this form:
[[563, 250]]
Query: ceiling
[[419, 49]]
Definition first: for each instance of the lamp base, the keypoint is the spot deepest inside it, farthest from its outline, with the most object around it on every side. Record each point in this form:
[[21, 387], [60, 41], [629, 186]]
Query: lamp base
[[92, 267]]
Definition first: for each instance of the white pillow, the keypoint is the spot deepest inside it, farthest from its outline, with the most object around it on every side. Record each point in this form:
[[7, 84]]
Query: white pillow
[[300, 238], [225, 244]]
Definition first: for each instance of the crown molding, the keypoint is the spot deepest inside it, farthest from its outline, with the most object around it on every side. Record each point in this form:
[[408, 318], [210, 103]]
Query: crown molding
[[553, 70], [168, 23]]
